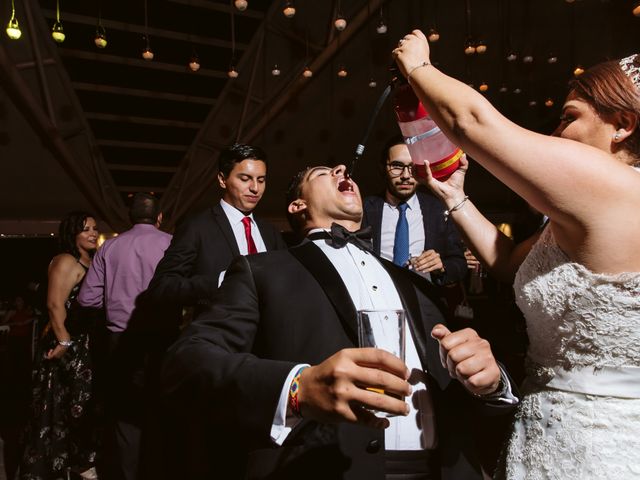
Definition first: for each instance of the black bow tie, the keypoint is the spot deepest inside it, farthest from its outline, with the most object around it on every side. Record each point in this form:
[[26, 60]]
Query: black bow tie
[[340, 236]]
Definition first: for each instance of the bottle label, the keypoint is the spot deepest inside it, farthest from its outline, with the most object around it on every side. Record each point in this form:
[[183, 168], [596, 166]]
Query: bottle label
[[421, 136]]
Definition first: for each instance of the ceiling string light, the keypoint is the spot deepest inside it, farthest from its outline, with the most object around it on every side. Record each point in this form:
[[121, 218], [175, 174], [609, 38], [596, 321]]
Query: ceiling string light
[[241, 5], [636, 9], [147, 53], [289, 9], [433, 35], [469, 46], [57, 32], [307, 72], [194, 60], [100, 38], [232, 72], [381, 27], [372, 81], [340, 22], [13, 28]]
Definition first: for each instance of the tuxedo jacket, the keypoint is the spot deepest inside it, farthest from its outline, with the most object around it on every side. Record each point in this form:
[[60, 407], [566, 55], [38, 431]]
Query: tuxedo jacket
[[273, 311], [202, 247], [439, 235]]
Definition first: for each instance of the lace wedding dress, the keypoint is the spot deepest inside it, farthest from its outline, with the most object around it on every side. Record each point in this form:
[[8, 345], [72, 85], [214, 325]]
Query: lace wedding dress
[[580, 413]]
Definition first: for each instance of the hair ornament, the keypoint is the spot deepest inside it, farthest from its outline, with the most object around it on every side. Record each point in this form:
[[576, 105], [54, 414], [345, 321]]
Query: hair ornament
[[631, 67]]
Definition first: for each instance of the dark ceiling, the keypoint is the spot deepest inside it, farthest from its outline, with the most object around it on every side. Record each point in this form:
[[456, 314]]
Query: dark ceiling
[[83, 127]]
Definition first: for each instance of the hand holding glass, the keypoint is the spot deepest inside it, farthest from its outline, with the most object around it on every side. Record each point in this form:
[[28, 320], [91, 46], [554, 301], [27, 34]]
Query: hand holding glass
[[384, 329]]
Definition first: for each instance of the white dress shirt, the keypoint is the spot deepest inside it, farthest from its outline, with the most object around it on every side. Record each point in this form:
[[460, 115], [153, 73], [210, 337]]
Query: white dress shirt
[[390, 215], [235, 217]]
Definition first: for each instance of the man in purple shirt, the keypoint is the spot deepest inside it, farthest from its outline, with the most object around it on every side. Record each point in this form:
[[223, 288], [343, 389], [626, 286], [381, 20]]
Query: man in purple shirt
[[121, 270]]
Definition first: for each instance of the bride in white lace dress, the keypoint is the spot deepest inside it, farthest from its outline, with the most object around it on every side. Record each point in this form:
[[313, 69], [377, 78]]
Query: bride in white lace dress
[[577, 282]]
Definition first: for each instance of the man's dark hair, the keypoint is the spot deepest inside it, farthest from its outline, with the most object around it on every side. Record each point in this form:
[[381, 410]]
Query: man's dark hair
[[392, 142], [69, 228], [236, 153], [294, 190], [145, 208]]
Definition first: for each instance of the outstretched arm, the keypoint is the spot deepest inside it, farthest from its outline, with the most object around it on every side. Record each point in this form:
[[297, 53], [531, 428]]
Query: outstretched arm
[[552, 174]]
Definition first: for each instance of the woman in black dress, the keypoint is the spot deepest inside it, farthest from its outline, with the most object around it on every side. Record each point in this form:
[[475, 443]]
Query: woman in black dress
[[60, 436]]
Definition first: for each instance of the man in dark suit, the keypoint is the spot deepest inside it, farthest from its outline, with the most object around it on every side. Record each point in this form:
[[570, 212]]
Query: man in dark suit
[[433, 245], [273, 371], [204, 244]]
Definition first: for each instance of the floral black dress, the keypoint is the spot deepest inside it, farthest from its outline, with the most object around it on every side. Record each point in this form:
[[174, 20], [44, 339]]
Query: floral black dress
[[60, 437]]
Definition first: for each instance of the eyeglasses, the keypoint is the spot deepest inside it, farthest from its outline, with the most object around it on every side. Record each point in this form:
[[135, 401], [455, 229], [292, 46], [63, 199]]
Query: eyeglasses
[[397, 169]]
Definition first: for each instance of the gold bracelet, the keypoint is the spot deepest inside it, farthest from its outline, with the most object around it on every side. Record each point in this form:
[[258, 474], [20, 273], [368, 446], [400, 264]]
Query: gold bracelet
[[423, 64]]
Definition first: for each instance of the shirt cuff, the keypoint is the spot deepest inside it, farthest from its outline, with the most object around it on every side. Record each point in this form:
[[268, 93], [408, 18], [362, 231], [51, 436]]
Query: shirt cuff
[[504, 394], [283, 420]]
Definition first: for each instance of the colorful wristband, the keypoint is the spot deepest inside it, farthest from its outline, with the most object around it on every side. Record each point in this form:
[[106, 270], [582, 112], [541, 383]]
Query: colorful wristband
[[294, 389]]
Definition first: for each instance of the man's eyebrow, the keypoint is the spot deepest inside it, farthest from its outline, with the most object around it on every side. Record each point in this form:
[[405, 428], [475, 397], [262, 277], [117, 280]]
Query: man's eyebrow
[[314, 169]]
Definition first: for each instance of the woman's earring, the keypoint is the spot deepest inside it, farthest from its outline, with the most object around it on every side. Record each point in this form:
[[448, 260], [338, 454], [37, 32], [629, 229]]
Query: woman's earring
[[616, 136]]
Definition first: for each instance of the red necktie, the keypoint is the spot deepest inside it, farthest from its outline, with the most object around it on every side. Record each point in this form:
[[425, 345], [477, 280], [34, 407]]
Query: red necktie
[[251, 246]]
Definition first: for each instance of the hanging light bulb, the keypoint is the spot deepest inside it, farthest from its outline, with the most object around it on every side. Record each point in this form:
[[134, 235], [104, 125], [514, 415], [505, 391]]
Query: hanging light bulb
[[57, 32], [512, 56], [483, 87], [100, 38], [241, 5], [289, 10], [147, 53], [548, 102], [342, 71], [503, 88], [340, 22], [13, 29], [553, 58], [636, 9], [527, 58], [469, 47], [381, 28], [533, 103], [481, 47], [275, 71], [232, 73], [372, 83], [307, 72], [579, 70], [433, 35], [517, 90], [194, 62]]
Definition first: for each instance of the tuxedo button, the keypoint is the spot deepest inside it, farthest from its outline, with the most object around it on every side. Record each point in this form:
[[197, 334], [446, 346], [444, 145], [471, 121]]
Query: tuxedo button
[[375, 288], [362, 263], [373, 446]]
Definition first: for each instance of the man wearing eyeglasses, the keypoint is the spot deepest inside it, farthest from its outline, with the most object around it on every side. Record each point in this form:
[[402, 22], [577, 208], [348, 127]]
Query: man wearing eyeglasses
[[409, 226]]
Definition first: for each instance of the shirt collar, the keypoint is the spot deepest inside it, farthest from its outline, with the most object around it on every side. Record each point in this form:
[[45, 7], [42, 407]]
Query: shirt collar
[[233, 214], [412, 202]]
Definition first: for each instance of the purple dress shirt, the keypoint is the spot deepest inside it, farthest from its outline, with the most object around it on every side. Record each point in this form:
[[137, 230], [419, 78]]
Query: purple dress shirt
[[122, 269]]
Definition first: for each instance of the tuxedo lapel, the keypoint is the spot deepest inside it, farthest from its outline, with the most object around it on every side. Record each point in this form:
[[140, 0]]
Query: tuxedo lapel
[[318, 265], [427, 215], [225, 227], [420, 322], [266, 233], [376, 219]]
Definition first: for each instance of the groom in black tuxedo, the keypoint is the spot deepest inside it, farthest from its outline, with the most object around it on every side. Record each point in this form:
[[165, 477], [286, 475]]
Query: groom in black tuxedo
[[241, 365]]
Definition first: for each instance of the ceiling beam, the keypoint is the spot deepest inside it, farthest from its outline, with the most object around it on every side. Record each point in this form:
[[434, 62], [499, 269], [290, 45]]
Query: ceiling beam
[[158, 122], [135, 92], [140, 188], [141, 168], [139, 63], [140, 29], [169, 147], [218, 7]]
